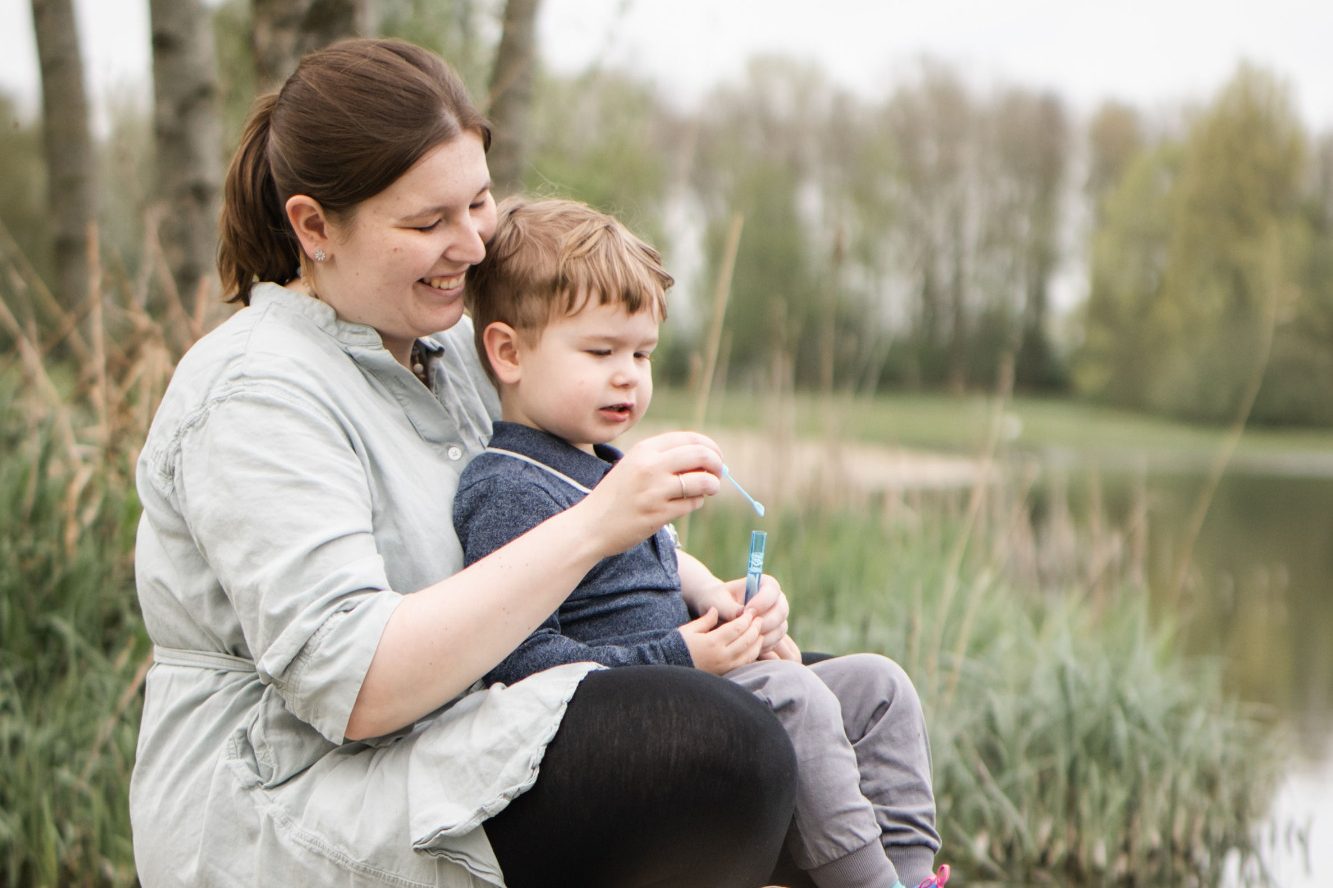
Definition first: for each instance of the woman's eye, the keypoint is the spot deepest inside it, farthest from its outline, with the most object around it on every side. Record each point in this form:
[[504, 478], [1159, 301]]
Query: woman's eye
[[431, 227]]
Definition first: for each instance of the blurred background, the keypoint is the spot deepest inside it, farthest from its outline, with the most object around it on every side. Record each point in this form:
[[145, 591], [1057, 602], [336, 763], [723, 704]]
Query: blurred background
[[1020, 314]]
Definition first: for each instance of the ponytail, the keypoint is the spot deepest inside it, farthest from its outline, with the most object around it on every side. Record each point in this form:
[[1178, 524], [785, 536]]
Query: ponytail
[[255, 241]]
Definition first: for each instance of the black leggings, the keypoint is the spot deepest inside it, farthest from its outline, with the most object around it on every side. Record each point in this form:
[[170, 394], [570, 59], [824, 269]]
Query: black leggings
[[659, 776]]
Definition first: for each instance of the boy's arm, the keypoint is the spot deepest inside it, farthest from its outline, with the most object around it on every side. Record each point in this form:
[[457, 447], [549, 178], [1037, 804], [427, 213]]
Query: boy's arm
[[547, 647], [701, 588]]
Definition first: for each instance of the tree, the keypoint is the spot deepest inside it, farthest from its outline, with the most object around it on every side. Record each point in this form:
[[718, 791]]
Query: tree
[[756, 156], [934, 125], [511, 95], [458, 30], [187, 136], [1238, 196], [1122, 342], [1202, 259], [284, 30], [606, 139], [67, 145], [22, 196], [1029, 152], [1115, 137]]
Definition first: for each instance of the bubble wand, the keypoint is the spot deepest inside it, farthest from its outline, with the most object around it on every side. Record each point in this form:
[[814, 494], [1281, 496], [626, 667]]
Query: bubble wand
[[754, 564]]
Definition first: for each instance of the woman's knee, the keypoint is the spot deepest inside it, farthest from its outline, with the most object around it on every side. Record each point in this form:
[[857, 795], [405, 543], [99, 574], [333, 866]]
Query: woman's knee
[[685, 721]]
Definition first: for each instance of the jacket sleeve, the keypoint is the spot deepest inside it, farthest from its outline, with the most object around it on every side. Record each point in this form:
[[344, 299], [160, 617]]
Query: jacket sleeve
[[277, 501], [547, 647]]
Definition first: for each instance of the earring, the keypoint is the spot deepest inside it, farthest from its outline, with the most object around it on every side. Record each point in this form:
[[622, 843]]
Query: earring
[[320, 255]]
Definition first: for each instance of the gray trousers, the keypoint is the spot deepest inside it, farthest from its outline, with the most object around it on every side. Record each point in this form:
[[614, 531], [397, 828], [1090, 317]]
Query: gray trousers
[[865, 810]]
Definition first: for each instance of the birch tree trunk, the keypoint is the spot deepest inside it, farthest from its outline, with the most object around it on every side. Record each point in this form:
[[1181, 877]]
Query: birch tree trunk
[[67, 145], [285, 30], [511, 95], [187, 135]]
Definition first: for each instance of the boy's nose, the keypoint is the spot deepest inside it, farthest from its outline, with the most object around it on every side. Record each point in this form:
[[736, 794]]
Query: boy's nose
[[624, 377]]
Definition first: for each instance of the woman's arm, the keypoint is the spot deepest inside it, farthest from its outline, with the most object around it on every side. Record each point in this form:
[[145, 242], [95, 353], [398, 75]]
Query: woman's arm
[[446, 636]]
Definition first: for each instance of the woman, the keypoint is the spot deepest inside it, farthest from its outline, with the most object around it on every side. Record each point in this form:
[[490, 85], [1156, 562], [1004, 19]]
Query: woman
[[307, 721]]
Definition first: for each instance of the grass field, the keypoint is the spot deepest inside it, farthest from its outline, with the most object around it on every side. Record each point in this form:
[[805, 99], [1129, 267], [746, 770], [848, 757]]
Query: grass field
[[963, 425]]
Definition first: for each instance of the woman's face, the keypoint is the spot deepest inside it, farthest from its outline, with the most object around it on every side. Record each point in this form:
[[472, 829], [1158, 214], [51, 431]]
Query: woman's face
[[399, 262]]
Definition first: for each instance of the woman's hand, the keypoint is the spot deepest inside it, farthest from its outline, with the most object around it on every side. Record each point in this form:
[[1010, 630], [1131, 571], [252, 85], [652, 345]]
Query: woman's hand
[[660, 479]]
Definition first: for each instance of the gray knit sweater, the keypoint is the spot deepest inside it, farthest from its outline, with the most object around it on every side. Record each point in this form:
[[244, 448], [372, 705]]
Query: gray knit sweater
[[627, 609]]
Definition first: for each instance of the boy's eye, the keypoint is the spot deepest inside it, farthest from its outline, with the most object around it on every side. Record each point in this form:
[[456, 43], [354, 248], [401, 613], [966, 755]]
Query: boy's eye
[[643, 356], [600, 352]]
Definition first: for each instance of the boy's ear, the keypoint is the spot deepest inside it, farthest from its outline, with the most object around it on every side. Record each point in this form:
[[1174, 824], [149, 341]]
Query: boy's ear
[[309, 222], [503, 351]]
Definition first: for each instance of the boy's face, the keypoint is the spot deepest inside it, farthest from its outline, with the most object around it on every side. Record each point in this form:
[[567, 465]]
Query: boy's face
[[589, 378]]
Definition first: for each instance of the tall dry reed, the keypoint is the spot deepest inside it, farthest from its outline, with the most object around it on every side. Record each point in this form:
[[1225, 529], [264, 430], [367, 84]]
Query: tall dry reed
[[77, 391]]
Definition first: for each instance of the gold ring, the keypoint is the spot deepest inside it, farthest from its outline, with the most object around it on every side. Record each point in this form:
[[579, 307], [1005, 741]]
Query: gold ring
[[683, 494]]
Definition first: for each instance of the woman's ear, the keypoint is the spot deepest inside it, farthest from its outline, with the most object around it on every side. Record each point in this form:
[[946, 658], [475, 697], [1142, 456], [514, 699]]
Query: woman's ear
[[310, 224], [504, 351]]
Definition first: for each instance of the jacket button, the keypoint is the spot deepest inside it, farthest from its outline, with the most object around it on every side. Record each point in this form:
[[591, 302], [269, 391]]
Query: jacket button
[[455, 452]]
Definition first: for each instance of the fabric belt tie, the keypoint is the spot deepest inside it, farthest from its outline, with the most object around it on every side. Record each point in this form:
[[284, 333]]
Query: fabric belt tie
[[201, 659]]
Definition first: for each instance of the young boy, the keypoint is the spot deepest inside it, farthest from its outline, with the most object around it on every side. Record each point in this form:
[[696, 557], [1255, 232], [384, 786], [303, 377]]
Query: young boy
[[567, 305]]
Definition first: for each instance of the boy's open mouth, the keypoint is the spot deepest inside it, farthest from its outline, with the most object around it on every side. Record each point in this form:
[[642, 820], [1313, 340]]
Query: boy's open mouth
[[618, 409]]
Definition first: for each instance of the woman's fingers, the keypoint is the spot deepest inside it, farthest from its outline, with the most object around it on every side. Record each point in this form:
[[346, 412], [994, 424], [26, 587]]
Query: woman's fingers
[[696, 485]]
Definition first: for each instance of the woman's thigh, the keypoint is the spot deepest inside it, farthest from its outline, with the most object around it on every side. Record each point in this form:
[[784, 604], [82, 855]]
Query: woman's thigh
[[659, 775]]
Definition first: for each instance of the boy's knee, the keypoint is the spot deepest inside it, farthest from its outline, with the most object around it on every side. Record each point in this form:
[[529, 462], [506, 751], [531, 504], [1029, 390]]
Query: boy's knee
[[788, 686], [870, 676]]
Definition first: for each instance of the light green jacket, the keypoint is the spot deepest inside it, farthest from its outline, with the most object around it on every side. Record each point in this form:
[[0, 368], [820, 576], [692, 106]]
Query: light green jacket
[[296, 482]]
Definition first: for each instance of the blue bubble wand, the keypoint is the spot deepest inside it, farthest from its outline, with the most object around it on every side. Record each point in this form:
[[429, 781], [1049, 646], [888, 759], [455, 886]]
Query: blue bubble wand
[[754, 564]]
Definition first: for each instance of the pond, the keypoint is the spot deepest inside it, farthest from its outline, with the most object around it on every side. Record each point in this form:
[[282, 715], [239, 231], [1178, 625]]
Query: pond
[[1258, 595]]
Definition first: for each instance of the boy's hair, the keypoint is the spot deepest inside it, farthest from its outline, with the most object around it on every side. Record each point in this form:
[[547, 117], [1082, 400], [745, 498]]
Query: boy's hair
[[549, 257]]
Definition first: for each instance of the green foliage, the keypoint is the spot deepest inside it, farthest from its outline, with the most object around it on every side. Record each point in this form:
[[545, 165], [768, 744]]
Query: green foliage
[[236, 68], [1128, 265], [1203, 279], [71, 642], [464, 32], [23, 188], [606, 140]]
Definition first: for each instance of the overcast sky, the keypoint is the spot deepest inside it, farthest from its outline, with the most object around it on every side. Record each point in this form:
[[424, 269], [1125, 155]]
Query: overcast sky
[[1155, 54]]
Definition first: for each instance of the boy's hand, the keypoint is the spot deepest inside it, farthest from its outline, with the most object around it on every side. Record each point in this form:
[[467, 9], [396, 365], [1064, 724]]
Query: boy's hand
[[718, 649], [785, 649], [769, 605]]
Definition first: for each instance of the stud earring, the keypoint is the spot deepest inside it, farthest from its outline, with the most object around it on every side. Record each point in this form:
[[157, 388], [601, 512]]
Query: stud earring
[[320, 255]]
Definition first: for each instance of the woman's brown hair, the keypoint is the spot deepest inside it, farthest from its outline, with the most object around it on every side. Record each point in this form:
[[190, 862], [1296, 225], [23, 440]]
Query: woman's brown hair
[[349, 121]]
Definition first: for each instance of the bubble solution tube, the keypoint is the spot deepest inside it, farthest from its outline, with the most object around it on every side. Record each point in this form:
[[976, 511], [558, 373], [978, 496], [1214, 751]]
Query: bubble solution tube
[[754, 564]]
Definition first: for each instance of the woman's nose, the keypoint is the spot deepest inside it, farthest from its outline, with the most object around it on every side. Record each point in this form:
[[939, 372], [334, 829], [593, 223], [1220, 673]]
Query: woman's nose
[[469, 245]]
